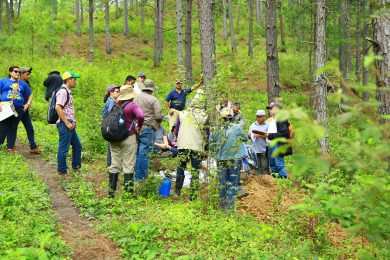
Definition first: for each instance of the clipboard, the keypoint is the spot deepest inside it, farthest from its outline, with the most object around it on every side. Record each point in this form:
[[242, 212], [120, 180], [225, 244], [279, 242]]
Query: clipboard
[[258, 132], [7, 110]]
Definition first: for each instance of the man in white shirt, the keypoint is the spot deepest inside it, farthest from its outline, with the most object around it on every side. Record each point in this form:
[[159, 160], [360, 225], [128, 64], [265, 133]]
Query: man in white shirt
[[257, 133]]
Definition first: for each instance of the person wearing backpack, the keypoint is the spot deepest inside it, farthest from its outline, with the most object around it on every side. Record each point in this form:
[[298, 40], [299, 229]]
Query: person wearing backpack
[[14, 90], [66, 124], [277, 129], [52, 83], [123, 153]]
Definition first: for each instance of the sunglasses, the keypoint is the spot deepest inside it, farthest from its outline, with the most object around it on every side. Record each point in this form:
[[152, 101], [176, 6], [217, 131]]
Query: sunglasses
[[116, 91], [16, 71]]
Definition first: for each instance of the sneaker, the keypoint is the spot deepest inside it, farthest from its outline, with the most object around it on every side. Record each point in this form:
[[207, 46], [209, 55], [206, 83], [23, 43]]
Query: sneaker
[[11, 151], [35, 150]]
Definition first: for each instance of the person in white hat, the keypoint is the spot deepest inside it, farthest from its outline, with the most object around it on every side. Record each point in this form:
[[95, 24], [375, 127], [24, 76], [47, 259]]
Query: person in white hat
[[257, 133]]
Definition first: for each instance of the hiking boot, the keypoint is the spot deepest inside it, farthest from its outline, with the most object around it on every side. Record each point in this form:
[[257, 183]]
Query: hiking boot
[[61, 173], [241, 193], [11, 151], [112, 183], [35, 150]]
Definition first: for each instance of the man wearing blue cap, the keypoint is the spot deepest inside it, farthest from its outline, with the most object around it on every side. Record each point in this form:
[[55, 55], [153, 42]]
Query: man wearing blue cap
[[66, 124], [138, 85]]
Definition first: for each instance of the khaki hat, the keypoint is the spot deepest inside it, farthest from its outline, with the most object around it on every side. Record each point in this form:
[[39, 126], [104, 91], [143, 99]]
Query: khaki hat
[[127, 93], [274, 104], [25, 69], [148, 85]]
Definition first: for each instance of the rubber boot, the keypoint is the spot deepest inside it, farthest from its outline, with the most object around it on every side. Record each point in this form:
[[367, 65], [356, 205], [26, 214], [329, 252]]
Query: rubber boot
[[112, 183], [179, 182], [194, 185], [129, 182]]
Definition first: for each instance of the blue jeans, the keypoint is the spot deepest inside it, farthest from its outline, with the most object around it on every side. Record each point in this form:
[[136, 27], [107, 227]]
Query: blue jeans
[[145, 149], [67, 138], [27, 122], [277, 162], [229, 176], [9, 128]]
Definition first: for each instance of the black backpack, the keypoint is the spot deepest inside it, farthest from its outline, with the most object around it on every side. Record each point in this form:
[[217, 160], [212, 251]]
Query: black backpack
[[113, 125], [52, 115]]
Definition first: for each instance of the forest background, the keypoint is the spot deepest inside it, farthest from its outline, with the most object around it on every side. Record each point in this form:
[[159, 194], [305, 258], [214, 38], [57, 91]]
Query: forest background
[[344, 183]]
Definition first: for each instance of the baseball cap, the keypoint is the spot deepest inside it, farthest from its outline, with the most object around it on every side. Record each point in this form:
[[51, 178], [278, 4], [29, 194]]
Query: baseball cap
[[141, 74], [69, 74], [260, 112], [274, 104], [111, 88], [25, 69], [179, 81]]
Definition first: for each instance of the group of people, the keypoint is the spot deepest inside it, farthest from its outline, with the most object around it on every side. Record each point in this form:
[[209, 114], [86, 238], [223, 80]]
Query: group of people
[[190, 136]]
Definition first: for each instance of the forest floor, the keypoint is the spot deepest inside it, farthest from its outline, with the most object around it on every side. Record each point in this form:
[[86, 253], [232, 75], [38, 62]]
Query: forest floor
[[77, 233]]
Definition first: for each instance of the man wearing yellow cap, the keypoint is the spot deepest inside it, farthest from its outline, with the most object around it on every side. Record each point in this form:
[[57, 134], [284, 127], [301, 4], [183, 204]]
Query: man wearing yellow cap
[[66, 124]]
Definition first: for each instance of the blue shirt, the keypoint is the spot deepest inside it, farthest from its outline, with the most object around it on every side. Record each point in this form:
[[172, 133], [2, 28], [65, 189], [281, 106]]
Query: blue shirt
[[110, 103], [227, 142], [178, 100], [14, 90], [259, 144]]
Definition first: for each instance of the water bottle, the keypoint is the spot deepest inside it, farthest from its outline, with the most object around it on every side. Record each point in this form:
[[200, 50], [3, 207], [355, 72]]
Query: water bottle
[[165, 187]]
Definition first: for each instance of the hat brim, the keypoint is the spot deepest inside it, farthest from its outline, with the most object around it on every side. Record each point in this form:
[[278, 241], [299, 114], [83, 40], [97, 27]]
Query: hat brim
[[143, 87], [127, 96]]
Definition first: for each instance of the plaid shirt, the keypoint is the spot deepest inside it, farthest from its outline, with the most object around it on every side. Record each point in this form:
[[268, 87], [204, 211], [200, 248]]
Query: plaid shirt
[[68, 110]]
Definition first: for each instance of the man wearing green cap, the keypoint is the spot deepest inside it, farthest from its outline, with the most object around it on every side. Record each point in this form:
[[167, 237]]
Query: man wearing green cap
[[66, 124]]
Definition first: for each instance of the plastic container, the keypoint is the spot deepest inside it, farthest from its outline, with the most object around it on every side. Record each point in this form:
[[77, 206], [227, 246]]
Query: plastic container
[[165, 187]]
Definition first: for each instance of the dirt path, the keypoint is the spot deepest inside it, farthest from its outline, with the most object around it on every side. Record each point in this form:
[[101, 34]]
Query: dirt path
[[84, 241]]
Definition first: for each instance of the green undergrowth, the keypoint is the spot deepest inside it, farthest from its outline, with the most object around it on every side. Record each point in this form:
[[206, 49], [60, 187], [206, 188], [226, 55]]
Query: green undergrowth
[[29, 229]]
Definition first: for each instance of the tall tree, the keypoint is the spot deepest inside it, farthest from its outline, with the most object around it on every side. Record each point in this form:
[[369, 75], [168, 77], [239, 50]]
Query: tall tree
[[320, 80], [224, 20], [179, 31], [366, 95], [11, 8], [81, 12], [273, 86], [1, 15], [358, 37], [143, 13], [19, 6], [158, 33], [259, 13], [250, 47], [107, 25], [78, 30], [348, 37], [381, 46], [342, 44], [126, 19], [238, 13], [232, 39], [8, 11], [188, 52], [116, 9], [207, 40], [91, 10], [281, 26]]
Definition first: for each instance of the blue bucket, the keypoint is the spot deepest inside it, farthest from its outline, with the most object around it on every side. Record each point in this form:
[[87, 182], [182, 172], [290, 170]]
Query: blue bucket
[[165, 187]]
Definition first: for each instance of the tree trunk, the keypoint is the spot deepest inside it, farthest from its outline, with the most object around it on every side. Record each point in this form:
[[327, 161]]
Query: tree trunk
[[366, 95], [81, 12], [273, 86], [224, 20], [207, 40], [55, 8], [342, 45], [126, 19], [188, 56], [91, 9], [179, 31], [250, 48], [238, 14], [358, 36], [299, 27], [232, 39], [8, 11], [78, 30], [320, 80], [1, 15], [19, 5], [158, 33], [348, 38], [107, 23], [281, 25], [11, 8], [131, 4], [142, 13], [116, 9], [381, 47], [312, 39]]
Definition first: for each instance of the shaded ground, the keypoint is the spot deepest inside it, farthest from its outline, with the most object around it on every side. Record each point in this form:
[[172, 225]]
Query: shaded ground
[[78, 234]]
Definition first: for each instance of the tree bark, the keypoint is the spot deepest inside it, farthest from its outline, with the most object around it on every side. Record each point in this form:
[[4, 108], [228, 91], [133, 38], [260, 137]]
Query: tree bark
[[381, 47], [358, 37], [225, 35], [179, 31], [232, 39], [342, 45], [158, 33], [273, 86], [348, 38], [107, 24], [250, 47], [116, 9], [126, 19], [19, 5], [281, 25], [188, 54], [78, 29], [131, 4], [320, 80], [142, 13], [207, 40], [11, 8], [91, 10], [366, 95], [81, 12], [8, 11], [238, 14]]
